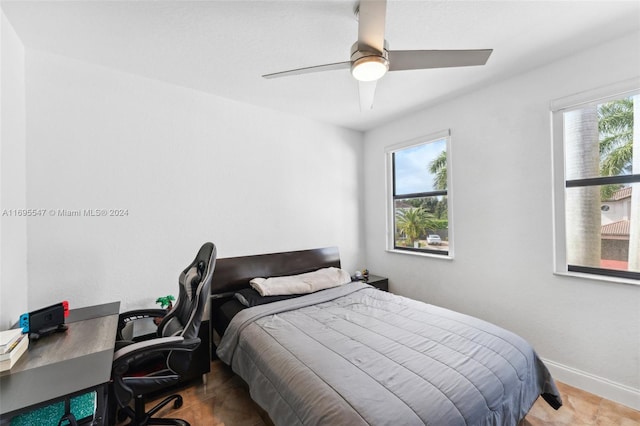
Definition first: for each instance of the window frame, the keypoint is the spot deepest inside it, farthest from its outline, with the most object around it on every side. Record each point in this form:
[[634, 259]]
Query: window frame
[[560, 183], [390, 195]]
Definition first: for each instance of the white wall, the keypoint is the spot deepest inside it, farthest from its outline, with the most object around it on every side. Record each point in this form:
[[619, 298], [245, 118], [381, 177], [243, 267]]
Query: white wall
[[13, 229], [589, 331], [188, 166]]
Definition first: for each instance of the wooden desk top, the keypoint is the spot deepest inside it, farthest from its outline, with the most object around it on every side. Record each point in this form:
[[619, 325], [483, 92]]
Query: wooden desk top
[[63, 363]]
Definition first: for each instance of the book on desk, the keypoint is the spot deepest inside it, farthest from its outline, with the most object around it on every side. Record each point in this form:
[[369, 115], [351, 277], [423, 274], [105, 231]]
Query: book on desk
[[13, 344]]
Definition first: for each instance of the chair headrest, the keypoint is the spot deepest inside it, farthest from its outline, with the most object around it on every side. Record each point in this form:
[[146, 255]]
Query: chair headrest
[[192, 279]]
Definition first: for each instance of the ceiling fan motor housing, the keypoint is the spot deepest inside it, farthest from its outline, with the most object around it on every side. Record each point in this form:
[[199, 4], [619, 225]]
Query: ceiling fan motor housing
[[367, 63]]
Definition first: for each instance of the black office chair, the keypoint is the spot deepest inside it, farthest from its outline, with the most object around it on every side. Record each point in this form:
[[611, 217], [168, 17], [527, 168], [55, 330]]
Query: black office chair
[[143, 367]]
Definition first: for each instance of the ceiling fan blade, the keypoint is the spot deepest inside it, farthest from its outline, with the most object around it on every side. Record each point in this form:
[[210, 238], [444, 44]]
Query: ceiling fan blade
[[424, 59], [367, 90], [371, 17], [308, 70]]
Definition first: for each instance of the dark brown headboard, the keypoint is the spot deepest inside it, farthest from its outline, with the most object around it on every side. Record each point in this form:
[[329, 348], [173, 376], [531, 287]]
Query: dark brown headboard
[[234, 273]]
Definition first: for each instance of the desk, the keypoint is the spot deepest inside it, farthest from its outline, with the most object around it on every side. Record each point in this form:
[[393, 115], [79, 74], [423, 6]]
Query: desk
[[61, 364]]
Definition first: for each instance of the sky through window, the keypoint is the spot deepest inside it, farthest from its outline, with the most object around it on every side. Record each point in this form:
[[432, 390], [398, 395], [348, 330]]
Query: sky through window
[[412, 167]]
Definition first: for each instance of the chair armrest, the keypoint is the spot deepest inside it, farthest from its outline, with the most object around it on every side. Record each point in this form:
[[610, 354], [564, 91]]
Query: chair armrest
[[137, 314], [123, 359], [141, 313], [136, 351]]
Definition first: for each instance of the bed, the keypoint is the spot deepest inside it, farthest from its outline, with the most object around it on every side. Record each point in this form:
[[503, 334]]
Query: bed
[[356, 355]]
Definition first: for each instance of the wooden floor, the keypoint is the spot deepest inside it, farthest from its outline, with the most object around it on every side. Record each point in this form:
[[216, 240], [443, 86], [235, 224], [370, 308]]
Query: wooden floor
[[223, 399]]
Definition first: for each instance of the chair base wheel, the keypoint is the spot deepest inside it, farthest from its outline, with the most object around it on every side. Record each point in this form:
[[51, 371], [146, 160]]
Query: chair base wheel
[[178, 403]]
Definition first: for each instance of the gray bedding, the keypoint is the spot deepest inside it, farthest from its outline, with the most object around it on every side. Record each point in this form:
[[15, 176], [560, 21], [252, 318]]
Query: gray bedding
[[354, 355]]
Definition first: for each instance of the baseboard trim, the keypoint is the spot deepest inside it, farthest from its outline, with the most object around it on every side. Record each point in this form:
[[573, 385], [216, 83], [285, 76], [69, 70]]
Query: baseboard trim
[[600, 386]]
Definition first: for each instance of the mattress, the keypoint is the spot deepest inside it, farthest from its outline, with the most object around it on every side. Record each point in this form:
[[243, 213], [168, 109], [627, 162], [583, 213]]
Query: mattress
[[355, 355]]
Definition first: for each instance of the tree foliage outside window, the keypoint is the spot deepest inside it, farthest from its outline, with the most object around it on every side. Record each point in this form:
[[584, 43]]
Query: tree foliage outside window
[[615, 129]]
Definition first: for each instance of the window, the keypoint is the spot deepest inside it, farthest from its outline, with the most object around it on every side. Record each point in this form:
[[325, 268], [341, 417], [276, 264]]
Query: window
[[597, 186], [418, 209]]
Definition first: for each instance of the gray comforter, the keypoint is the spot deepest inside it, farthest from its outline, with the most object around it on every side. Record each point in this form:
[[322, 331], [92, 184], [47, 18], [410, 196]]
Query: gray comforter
[[354, 355]]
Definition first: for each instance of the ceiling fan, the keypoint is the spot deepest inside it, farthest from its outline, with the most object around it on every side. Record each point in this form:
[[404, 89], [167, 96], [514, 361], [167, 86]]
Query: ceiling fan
[[371, 59]]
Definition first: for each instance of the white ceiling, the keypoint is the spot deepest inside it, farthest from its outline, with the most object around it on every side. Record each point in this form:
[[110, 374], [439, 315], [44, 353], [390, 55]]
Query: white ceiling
[[223, 47]]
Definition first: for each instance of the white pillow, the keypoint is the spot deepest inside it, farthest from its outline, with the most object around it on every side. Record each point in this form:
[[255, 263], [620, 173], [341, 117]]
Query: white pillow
[[301, 284]]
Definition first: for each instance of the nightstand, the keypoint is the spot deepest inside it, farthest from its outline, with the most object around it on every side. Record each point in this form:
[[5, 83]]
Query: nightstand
[[381, 283]]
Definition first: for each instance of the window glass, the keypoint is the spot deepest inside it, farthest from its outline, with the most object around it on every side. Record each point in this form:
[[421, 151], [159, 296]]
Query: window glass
[[602, 188], [413, 171], [419, 203], [599, 139], [599, 238]]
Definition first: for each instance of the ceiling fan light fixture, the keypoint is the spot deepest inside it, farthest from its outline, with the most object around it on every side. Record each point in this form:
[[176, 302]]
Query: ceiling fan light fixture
[[369, 68]]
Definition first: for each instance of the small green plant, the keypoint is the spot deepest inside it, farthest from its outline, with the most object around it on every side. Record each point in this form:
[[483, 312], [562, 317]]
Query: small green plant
[[166, 301]]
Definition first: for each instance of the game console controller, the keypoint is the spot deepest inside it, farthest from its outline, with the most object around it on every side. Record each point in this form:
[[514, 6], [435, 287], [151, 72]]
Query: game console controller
[[24, 322], [45, 321]]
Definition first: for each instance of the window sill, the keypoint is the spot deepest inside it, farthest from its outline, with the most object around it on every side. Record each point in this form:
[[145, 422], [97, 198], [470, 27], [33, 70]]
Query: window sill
[[602, 278], [416, 253]]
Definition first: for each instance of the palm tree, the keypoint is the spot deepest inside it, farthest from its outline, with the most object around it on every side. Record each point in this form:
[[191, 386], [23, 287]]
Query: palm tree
[[615, 126], [583, 223], [412, 222], [438, 167]]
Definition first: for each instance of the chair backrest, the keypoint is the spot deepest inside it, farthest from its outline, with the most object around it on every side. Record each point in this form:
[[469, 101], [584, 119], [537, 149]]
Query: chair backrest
[[186, 315], [195, 283]]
